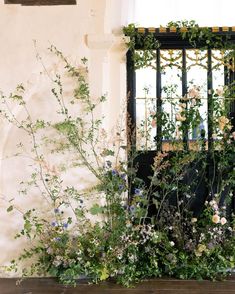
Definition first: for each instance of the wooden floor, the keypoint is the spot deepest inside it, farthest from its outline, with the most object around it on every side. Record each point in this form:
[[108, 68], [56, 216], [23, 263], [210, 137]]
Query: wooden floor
[[157, 286]]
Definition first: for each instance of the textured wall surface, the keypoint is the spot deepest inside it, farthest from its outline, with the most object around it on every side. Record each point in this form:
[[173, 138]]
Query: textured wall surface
[[92, 29]]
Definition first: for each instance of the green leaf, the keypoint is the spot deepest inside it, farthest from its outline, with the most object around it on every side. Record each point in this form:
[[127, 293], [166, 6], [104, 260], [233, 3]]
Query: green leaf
[[96, 209], [65, 127], [10, 208], [107, 152], [104, 274], [79, 212]]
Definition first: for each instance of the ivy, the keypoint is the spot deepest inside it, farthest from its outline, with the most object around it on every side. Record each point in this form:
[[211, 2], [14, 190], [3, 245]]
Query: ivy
[[198, 37], [148, 44], [201, 37]]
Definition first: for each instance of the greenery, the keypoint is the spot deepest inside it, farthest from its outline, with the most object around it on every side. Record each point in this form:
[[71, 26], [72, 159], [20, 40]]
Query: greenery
[[109, 230], [198, 37]]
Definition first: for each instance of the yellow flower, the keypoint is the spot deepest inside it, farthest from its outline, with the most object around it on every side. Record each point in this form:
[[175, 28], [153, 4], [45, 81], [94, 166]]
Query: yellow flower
[[215, 219], [201, 248], [104, 274], [197, 253]]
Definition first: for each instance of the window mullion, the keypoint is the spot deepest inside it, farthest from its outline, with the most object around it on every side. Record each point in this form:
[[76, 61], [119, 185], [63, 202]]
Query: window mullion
[[131, 97], [210, 113], [184, 93], [159, 101]]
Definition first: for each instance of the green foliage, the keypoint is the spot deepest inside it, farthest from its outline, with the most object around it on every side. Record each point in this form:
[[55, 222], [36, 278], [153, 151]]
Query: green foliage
[[199, 37], [125, 241], [144, 57]]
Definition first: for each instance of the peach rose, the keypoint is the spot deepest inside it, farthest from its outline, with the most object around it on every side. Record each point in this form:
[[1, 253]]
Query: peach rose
[[179, 117], [194, 92], [215, 219], [223, 121]]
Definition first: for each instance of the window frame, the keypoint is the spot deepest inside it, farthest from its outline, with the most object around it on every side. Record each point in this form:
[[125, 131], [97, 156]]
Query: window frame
[[170, 38]]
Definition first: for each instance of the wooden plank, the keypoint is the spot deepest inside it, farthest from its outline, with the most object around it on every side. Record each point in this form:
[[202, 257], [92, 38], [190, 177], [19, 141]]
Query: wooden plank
[[155, 286]]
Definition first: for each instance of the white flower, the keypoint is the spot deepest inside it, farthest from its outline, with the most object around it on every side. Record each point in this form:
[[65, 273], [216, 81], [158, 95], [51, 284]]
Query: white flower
[[214, 136], [219, 91], [172, 243], [223, 221], [194, 220], [214, 204], [233, 135], [215, 219]]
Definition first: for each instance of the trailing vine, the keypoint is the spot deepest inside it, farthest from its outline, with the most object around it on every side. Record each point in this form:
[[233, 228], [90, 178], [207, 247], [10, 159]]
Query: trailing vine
[[198, 37], [144, 57]]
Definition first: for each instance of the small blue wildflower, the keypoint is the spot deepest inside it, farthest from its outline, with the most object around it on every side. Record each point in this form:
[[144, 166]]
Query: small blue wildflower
[[132, 208], [56, 210], [57, 239], [121, 187], [123, 176], [54, 224], [114, 172], [137, 191], [65, 225]]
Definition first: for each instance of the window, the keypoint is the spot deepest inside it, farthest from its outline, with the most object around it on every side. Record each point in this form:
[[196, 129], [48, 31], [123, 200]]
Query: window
[[179, 75]]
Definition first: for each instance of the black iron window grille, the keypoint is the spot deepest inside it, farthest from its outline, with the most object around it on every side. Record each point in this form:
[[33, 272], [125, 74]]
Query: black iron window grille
[[179, 70]]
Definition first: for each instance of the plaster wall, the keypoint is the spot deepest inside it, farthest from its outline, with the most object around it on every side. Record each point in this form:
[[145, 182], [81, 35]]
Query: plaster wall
[[91, 29]]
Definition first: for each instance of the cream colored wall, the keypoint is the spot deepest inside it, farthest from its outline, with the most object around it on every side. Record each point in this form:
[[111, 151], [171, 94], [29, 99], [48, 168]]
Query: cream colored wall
[[92, 29]]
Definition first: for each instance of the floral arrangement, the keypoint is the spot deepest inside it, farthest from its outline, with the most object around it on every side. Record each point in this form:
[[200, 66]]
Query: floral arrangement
[[107, 231]]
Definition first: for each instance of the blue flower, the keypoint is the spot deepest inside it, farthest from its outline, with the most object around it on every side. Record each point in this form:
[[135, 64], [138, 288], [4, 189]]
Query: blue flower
[[121, 187], [114, 172], [132, 208], [138, 191], [56, 210], [54, 224], [123, 176], [65, 225], [57, 239]]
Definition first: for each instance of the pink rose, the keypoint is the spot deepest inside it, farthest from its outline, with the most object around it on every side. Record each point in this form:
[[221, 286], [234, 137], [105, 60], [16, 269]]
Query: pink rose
[[223, 221]]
